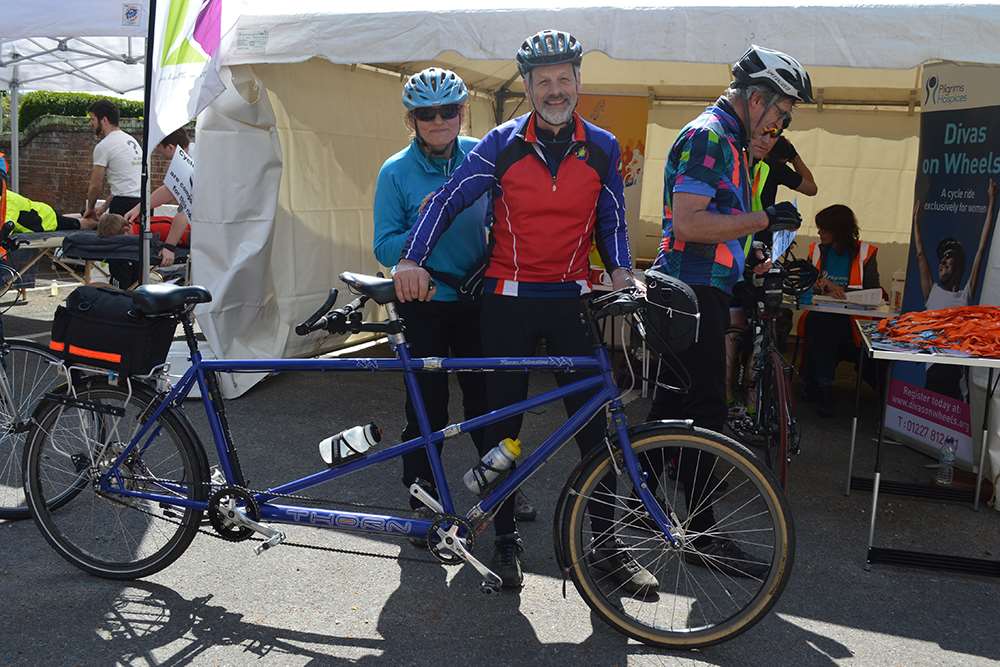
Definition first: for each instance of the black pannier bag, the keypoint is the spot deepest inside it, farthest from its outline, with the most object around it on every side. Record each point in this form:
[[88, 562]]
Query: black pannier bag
[[101, 326], [671, 314]]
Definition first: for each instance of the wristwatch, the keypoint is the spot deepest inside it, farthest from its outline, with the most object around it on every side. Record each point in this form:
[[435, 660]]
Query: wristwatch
[[170, 246]]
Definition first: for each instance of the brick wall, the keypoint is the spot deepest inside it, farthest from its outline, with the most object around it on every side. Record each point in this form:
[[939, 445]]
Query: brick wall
[[55, 157]]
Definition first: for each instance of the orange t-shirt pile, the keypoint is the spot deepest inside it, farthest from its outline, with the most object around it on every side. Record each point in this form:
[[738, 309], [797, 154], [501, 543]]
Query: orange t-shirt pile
[[973, 330]]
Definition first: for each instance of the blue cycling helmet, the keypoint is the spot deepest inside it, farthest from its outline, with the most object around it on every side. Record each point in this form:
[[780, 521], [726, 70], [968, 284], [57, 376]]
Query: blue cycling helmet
[[434, 87]]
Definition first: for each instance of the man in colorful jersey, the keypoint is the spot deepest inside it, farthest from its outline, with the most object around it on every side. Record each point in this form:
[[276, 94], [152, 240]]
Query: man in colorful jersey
[[554, 182], [770, 151], [707, 216]]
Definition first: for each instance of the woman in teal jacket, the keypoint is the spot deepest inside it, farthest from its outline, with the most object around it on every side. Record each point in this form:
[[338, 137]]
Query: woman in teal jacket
[[435, 100]]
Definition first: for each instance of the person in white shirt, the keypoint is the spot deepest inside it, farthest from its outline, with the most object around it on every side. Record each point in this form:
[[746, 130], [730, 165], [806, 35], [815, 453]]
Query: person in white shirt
[[117, 159], [948, 292], [178, 233]]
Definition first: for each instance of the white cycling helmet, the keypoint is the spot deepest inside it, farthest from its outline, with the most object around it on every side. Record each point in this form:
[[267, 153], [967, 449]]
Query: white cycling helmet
[[777, 70]]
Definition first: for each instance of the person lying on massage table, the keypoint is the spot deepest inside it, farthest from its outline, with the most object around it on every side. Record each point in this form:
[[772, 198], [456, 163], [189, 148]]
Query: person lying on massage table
[[112, 224], [33, 216]]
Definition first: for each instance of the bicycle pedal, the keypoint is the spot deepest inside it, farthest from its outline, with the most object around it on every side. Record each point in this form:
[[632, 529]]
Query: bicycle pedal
[[277, 538], [491, 587], [170, 512]]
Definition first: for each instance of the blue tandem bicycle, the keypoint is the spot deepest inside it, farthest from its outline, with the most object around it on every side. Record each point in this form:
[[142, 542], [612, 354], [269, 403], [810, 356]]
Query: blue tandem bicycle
[[118, 480]]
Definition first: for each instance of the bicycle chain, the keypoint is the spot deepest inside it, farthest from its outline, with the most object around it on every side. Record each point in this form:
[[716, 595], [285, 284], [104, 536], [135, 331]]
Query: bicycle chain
[[298, 545]]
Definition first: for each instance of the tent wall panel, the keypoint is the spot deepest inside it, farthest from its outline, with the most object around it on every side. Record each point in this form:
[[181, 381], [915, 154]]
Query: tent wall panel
[[335, 127], [311, 137]]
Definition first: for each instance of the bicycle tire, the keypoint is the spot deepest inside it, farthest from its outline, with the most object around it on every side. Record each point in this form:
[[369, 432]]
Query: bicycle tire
[[741, 469], [29, 373], [106, 534], [782, 416]]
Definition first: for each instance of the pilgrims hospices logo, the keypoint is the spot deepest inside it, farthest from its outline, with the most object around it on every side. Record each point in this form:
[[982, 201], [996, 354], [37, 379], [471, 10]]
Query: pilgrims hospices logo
[[940, 93], [185, 43]]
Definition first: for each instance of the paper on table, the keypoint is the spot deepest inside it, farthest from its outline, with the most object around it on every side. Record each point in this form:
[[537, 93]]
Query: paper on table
[[866, 297], [780, 242]]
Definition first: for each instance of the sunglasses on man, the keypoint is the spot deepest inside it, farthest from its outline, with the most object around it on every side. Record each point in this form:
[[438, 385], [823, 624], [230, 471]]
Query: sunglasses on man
[[428, 114], [775, 132]]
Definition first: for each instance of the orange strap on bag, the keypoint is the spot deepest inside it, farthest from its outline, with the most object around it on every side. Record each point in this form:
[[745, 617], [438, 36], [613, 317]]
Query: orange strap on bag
[[974, 330]]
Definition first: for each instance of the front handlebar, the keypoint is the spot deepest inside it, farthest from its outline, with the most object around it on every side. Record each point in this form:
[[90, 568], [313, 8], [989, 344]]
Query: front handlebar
[[619, 302]]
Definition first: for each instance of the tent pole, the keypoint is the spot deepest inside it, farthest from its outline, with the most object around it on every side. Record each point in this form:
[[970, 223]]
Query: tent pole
[[500, 98], [15, 139], [146, 152]]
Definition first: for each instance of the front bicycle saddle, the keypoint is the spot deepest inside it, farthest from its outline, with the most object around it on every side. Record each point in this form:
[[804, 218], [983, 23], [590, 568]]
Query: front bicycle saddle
[[379, 290]]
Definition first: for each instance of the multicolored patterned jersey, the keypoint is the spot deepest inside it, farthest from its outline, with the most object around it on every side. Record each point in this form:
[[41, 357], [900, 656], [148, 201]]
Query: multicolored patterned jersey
[[708, 159], [543, 224]]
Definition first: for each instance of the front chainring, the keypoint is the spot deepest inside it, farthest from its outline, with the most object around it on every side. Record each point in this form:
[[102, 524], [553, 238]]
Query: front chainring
[[443, 555], [222, 511]]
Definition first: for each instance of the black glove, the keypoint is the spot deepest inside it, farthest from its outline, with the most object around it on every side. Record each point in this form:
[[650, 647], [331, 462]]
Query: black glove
[[783, 216], [783, 150]]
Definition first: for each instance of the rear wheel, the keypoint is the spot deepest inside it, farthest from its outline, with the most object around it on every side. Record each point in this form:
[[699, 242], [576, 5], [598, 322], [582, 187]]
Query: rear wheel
[[780, 440], [107, 532], [735, 538], [27, 372]]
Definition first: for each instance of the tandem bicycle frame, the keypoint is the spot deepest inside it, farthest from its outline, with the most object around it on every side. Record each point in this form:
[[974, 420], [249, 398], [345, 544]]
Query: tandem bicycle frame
[[601, 382]]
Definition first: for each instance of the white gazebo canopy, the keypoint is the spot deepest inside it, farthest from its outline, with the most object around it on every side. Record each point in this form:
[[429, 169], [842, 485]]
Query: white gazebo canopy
[[93, 46]]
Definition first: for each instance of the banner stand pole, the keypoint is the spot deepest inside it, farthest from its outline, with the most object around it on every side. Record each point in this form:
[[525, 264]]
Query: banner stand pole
[[144, 211]]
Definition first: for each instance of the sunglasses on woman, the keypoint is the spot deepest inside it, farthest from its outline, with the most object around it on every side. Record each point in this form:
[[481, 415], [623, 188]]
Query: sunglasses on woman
[[427, 114]]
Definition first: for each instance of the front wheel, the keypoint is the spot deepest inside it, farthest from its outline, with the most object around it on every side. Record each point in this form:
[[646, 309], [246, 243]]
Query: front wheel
[[114, 532], [735, 541]]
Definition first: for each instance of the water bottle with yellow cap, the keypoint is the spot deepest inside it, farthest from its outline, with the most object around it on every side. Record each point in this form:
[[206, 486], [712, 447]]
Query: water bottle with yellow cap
[[494, 462]]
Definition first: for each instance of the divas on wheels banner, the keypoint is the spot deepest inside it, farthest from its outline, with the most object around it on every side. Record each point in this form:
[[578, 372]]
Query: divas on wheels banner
[[626, 118], [954, 215]]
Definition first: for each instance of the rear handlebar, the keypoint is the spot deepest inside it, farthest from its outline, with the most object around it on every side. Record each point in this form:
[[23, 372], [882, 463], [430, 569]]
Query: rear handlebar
[[309, 325], [337, 320]]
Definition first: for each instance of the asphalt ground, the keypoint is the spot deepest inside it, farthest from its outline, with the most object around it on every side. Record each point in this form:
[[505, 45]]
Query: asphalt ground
[[219, 604]]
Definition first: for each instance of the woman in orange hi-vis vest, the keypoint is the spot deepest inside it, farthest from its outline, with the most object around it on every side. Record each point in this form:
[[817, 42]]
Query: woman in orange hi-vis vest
[[845, 263], [948, 292]]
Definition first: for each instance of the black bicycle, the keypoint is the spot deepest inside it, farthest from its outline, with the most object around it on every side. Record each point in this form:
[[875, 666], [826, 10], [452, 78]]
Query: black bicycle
[[27, 372], [768, 422]]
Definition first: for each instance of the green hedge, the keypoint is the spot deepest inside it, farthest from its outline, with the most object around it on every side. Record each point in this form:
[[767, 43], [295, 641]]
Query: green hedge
[[36, 104]]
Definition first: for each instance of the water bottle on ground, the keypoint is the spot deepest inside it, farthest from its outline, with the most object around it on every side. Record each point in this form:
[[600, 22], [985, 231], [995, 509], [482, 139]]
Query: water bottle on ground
[[494, 462], [946, 470], [349, 443]]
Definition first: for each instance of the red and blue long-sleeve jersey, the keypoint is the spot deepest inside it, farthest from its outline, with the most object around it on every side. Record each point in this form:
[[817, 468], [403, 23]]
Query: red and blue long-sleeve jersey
[[543, 224]]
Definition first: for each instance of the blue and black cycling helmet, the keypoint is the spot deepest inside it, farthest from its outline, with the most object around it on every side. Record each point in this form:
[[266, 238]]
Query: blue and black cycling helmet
[[434, 87], [548, 47]]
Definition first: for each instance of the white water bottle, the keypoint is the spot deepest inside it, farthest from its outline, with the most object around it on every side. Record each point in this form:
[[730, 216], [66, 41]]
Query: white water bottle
[[349, 443], [494, 462]]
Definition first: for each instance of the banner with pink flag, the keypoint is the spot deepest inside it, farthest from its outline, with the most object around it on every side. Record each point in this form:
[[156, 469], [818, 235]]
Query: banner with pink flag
[[185, 68]]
